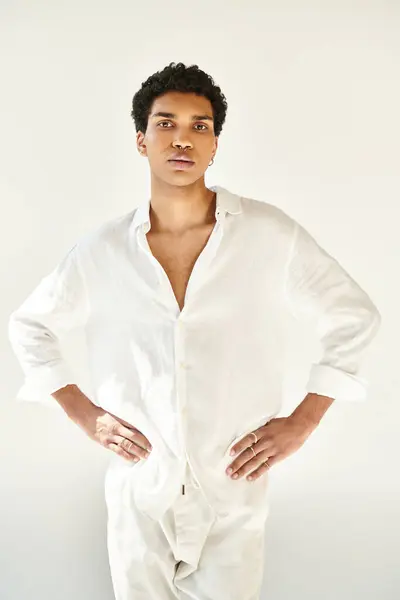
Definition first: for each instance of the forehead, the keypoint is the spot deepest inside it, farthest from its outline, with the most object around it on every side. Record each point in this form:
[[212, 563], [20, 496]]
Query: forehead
[[182, 103]]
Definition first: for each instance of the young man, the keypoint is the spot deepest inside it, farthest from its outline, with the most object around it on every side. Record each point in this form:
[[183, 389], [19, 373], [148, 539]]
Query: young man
[[184, 302]]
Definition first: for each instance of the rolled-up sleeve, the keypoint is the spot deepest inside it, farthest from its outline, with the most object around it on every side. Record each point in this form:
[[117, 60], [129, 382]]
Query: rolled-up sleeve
[[56, 306], [346, 320]]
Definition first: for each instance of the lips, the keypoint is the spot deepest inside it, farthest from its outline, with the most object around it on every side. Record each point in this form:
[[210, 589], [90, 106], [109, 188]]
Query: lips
[[181, 164], [180, 158]]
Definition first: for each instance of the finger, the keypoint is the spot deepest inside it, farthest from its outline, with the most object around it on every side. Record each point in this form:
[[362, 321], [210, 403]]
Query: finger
[[121, 452], [261, 463], [135, 436], [129, 446], [261, 470], [131, 434], [250, 464], [238, 463], [248, 440], [144, 441], [271, 460], [264, 446]]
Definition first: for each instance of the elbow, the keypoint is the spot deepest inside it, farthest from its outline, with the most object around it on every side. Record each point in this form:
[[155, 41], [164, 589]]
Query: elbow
[[23, 329], [374, 321]]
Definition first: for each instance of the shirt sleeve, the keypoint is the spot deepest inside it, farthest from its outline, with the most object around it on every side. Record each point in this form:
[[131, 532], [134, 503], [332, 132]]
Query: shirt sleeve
[[317, 287], [56, 306]]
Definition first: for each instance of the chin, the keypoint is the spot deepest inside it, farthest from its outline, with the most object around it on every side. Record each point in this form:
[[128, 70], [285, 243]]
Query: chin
[[182, 178]]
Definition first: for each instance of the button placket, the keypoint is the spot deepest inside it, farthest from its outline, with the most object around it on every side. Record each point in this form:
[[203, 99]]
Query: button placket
[[180, 381], [182, 404]]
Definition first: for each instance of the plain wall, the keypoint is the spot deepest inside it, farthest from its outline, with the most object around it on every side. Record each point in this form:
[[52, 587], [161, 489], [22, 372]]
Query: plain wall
[[313, 127]]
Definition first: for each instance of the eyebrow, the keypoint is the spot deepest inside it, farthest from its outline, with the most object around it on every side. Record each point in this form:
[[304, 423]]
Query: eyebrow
[[168, 115]]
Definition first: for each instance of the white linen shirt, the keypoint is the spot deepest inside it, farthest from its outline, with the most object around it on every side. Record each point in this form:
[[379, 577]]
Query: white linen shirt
[[194, 381]]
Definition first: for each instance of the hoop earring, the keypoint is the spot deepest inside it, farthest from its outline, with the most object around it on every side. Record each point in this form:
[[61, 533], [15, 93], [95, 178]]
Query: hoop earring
[[211, 163]]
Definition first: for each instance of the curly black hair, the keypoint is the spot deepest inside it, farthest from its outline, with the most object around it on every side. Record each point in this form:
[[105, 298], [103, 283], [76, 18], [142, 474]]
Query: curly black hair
[[180, 78]]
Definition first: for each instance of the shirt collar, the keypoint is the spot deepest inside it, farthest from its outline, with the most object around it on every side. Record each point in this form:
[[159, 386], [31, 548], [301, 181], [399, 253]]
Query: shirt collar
[[226, 202]]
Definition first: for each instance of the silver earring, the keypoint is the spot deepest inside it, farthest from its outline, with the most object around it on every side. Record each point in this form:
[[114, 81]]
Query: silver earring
[[212, 162]]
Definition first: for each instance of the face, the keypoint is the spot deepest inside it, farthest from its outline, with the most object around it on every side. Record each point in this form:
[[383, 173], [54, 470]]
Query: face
[[179, 123]]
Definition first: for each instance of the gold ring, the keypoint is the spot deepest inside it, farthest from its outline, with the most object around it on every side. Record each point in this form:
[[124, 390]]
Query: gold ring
[[252, 449], [252, 433], [126, 444]]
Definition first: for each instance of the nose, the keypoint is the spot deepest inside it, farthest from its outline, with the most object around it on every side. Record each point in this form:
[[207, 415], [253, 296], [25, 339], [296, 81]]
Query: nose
[[181, 145]]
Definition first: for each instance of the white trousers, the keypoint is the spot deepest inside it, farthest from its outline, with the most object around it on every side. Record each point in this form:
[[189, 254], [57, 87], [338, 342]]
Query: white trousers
[[191, 553]]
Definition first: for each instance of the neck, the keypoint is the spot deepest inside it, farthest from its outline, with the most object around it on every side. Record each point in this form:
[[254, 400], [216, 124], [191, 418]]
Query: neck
[[177, 209]]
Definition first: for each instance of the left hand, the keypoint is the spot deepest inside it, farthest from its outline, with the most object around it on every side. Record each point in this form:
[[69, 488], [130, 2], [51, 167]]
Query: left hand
[[276, 440]]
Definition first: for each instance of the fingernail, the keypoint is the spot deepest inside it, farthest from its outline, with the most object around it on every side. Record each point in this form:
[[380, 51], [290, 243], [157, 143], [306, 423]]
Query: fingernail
[[229, 471], [232, 452]]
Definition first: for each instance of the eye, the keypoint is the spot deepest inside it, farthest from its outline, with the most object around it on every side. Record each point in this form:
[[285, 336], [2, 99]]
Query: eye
[[161, 123]]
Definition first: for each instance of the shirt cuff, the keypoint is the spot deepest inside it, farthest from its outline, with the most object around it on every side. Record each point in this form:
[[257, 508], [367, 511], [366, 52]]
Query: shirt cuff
[[335, 383], [41, 383]]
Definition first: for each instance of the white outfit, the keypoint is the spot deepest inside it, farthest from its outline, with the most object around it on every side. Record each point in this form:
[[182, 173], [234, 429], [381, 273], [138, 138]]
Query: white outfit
[[193, 381], [190, 553]]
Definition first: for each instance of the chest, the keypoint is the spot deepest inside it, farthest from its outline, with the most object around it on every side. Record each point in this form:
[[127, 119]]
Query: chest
[[178, 254]]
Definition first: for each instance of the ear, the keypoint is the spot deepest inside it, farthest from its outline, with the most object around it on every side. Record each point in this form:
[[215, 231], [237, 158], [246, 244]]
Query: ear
[[215, 147], [141, 146]]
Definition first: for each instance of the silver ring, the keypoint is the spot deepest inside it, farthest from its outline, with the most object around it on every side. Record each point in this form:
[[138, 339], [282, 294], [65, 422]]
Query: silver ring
[[252, 433]]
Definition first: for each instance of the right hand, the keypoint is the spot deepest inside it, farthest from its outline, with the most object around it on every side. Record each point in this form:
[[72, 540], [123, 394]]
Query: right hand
[[117, 435]]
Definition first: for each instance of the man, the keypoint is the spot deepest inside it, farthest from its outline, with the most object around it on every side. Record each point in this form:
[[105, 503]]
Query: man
[[183, 302]]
